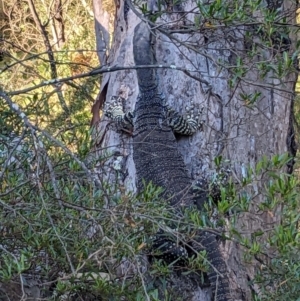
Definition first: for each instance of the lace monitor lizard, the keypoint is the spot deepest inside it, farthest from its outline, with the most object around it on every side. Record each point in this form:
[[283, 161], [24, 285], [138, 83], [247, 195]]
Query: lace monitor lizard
[[157, 159]]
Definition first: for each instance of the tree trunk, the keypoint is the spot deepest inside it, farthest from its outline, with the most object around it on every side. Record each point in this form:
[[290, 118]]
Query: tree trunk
[[235, 128]]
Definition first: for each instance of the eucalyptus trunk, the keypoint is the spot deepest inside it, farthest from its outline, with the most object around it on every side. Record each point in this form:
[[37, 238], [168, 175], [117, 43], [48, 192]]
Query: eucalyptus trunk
[[241, 129]]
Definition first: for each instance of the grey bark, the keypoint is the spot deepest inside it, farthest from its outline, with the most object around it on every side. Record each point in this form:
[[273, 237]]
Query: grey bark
[[102, 19], [102, 32], [240, 133]]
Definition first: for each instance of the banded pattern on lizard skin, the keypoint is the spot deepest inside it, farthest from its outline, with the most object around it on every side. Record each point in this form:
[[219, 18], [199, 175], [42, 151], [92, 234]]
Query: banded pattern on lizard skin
[[178, 123], [157, 158]]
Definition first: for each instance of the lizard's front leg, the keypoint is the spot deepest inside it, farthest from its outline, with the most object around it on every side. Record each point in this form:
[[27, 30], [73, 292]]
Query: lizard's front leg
[[116, 113], [185, 125]]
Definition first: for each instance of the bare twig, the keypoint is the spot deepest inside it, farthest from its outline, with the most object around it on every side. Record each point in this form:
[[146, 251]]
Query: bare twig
[[50, 53], [103, 70]]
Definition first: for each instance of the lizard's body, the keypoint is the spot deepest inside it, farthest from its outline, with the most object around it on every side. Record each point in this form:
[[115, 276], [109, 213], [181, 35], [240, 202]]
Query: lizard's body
[[156, 154]]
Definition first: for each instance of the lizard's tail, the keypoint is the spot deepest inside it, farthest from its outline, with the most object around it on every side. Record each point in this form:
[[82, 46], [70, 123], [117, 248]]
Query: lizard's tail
[[217, 273]]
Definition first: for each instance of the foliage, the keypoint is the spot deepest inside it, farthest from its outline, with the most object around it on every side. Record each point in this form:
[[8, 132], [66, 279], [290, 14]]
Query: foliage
[[66, 229], [274, 248]]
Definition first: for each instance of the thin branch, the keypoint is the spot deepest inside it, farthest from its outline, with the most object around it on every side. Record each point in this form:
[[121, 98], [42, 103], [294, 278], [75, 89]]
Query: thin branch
[[103, 70]]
